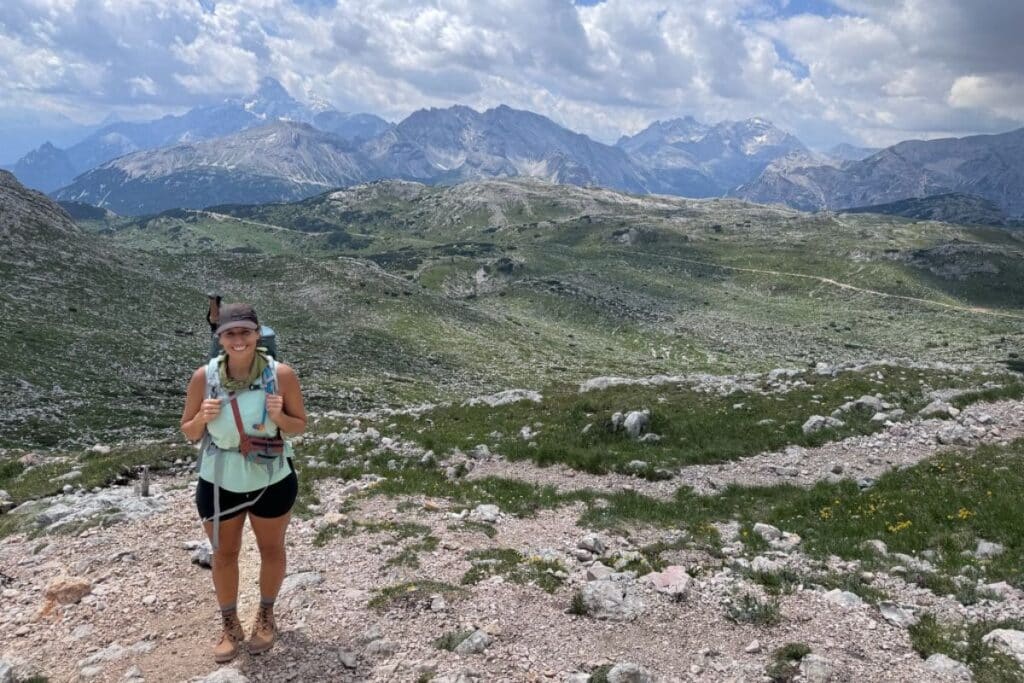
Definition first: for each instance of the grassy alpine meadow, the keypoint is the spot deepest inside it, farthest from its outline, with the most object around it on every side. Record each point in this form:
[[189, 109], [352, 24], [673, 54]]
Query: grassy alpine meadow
[[695, 426], [944, 505]]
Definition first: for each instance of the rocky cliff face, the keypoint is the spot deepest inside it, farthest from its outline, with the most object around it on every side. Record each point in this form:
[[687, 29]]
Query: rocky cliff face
[[988, 166]]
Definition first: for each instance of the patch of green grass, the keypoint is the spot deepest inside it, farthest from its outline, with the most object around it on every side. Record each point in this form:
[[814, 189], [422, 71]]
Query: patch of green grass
[[98, 469], [451, 640], [576, 604], [750, 609], [781, 582], [695, 427], [411, 594], [849, 581], [785, 662], [514, 567], [600, 674], [472, 526], [963, 643], [401, 530], [409, 556], [944, 504]]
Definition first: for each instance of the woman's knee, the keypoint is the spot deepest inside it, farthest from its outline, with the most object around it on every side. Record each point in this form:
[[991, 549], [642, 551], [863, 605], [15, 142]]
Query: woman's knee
[[226, 554]]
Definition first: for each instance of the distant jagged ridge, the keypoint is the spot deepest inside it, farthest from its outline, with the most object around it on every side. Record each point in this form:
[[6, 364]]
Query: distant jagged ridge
[[434, 146], [988, 166], [49, 168]]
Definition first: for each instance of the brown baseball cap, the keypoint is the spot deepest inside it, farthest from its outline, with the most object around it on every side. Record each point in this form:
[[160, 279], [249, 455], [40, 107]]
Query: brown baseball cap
[[237, 315]]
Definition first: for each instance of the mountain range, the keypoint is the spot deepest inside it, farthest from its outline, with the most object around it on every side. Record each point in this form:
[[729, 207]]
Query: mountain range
[[270, 147], [48, 168]]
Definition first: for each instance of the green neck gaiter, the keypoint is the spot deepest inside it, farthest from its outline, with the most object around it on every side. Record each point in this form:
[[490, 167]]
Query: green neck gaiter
[[259, 364]]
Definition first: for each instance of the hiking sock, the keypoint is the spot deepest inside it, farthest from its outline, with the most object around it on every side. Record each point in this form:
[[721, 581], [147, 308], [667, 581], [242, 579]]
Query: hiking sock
[[267, 602], [229, 610]]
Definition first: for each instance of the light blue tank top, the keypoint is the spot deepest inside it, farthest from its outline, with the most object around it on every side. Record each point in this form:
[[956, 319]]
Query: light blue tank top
[[241, 474]]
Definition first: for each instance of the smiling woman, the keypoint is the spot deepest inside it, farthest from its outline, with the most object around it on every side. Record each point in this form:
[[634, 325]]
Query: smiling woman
[[245, 465]]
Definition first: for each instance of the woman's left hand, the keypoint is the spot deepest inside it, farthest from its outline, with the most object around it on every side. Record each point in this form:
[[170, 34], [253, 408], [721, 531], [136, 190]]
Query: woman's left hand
[[275, 406]]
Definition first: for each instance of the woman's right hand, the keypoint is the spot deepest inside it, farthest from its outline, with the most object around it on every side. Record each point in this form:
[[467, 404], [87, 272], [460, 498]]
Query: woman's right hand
[[209, 410]]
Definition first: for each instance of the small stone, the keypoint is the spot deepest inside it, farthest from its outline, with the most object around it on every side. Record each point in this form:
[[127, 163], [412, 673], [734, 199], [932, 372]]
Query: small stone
[[753, 648], [844, 598], [225, 675], [1007, 641], [988, 549], [149, 600], [598, 572], [592, 543], [673, 581], [943, 664], [816, 669], [67, 590], [298, 580], [486, 513], [896, 615], [767, 531], [627, 672], [475, 643]]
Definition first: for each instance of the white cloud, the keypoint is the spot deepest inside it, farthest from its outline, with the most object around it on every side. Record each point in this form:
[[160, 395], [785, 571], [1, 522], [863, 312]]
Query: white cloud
[[878, 70]]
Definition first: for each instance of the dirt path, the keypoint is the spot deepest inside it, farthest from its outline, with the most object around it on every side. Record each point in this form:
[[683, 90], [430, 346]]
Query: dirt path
[[842, 285]]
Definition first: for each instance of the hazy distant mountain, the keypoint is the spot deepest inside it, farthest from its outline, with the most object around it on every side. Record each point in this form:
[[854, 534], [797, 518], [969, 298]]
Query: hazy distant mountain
[[459, 143], [694, 159], [989, 166], [45, 168], [269, 103], [355, 127], [954, 207], [279, 162], [848, 152]]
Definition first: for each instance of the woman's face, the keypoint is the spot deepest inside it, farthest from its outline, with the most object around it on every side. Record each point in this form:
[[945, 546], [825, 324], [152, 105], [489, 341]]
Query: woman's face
[[239, 341]]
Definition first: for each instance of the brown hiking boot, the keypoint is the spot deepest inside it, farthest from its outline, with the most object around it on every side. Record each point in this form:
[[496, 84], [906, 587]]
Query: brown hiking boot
[[227, 648], [264, 631]]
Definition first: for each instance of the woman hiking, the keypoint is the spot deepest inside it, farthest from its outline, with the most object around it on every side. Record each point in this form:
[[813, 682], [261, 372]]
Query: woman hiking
[[240, 404]]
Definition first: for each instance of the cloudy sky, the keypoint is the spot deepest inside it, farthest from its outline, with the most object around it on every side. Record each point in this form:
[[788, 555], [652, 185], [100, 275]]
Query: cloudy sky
[[870, 72]]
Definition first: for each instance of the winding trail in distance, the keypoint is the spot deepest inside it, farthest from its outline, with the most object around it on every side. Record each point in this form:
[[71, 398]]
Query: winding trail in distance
[[842, 285]]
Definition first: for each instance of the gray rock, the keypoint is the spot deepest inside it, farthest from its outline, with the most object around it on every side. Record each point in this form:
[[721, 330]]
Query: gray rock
[[592, 543], [942, 664], [133, 674], [475, 643], [876, 546], [1007, 641], [627, 672], [816, 669], [226, 675], [938, 408], [815, 423], [298, 580], [988, 549], [611, 600], [578, 677], [6, 670], [763, 565], [637, 422], [486, 513], [954, 435], [598, 572], [767, 532], [202, 554], [844, 598], [616, 421], [896, 615]]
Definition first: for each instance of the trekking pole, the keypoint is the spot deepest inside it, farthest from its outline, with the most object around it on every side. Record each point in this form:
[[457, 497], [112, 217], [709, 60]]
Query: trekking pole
[[143, 484]]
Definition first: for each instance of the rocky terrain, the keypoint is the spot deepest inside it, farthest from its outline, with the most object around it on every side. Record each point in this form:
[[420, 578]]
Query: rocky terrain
[[414, 587], [556, 433]]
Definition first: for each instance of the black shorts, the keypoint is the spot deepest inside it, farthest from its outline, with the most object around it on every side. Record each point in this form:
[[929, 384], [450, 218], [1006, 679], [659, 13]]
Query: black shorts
[[276, 500]]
